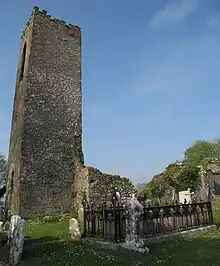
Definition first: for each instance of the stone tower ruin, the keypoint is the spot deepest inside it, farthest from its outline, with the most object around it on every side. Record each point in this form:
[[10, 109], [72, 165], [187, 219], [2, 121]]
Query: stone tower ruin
[[46, 131]]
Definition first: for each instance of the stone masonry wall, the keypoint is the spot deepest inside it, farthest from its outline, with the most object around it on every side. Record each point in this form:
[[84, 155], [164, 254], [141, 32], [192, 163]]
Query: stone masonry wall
[[17, 127], [101, 186], [98, 186], [47, 137]]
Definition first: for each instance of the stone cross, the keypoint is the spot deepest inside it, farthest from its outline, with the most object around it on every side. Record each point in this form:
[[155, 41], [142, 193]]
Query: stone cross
[[16, 235]]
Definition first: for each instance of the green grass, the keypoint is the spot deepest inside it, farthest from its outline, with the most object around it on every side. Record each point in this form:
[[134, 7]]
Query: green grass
[[216, 210], [49, 245]]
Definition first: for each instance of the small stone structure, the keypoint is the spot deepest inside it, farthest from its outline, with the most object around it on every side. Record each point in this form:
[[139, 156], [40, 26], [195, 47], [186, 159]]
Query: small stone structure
[[46, 174]]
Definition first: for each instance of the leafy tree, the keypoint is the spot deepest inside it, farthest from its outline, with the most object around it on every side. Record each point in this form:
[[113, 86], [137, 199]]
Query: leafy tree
[[185, 174], [182, 176], [157, 188], [176, 175], [148, 191], [171, 174], [3, 169], [201, 152], [189, 177]]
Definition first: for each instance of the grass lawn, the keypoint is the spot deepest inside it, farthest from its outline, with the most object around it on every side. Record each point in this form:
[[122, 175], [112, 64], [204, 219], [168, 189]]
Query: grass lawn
[[216, 210], [49, 246]]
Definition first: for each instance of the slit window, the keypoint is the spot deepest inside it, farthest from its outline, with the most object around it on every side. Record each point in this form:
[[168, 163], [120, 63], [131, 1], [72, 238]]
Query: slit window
[[12, 181], [23, 62]]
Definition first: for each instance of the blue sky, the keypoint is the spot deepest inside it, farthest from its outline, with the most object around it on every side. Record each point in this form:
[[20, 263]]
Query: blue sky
[[151, 77]]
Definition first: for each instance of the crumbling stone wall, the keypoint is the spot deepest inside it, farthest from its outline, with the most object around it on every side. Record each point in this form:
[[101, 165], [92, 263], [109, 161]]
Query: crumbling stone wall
[[46, 136], [98, 186], [102, 184]]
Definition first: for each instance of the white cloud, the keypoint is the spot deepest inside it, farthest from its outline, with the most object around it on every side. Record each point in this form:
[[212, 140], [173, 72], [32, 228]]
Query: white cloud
[[175, 11], [214, 22]]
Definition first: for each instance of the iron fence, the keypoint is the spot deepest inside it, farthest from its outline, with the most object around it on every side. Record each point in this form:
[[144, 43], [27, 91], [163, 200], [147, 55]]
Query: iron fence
[[108, 222]]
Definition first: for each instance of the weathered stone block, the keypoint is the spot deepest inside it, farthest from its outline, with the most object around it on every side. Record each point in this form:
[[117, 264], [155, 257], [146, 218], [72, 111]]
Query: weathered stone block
[[17, 234]]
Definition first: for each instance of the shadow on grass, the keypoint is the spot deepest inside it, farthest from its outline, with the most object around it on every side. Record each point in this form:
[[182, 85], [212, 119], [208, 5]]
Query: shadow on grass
[[50, 251], [33, 248], [183, 252], [36, 248], [41, 240]]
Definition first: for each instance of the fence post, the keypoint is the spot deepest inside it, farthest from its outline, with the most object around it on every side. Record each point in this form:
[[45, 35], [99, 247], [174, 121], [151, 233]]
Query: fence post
[[210, 212], [115, 214], [93, 220], [103, 219], [84, 203]]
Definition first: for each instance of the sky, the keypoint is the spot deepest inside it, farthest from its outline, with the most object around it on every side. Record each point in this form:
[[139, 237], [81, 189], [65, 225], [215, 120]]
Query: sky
[[151, 77]]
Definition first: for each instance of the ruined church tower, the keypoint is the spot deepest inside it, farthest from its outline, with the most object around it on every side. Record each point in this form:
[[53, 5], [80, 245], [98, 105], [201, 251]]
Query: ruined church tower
[[46, 131]]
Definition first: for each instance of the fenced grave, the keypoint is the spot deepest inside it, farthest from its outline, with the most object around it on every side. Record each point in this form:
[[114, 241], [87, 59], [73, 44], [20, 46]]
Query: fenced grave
[[108, 222]]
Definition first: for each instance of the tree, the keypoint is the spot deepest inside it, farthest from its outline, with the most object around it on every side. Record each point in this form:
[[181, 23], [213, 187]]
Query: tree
[[3, 169], [202, 152], [182, 176], [157, 189], [185, 174], [189, 178], [171, 174], [177, 176]]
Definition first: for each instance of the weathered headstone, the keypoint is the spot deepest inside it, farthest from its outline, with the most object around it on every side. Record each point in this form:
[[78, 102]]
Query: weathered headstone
[[16, 235], [74, 230]]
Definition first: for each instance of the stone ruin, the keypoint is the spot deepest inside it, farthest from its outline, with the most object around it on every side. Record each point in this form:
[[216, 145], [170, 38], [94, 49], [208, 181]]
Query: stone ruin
[[46, 174], [46, 171], [99, 186]]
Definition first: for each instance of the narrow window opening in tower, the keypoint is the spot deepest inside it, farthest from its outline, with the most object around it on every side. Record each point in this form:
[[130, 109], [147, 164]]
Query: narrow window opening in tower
[[12, 179], [23, 62]]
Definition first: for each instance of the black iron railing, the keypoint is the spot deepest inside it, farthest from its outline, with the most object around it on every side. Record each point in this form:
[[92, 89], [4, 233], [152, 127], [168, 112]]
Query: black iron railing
[[170, 219], [108, 222]]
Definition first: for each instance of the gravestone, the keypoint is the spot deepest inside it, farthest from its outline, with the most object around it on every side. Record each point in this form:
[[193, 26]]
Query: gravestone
[[16, 235], [74, 230]]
